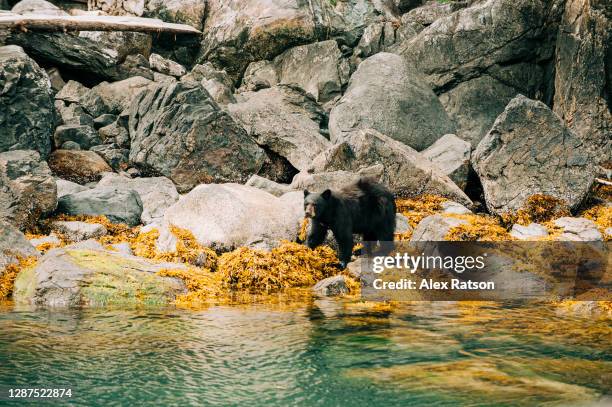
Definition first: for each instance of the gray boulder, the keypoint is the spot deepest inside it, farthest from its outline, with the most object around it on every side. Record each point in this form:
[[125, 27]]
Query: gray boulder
[[118, 96], [480, 57], [13, 245], [528, 151], [37, 7], [72, 92], [434, 228], [405, 172], [106, 54], [226, 216], [177, 130], [115, 156], [451, 155], [331, 286], [27, 189], [318, 182], [285, 121], [267, 185], [71, 277], [583, 74], [157, 193], [118, 205], [259, 75], [216, 81], [65, 187], [533, 231], [387, 95], [85, 136], [578, 229], [27, 117], [70, 145], [73, 114], [78, 166], [318, 68], [454, 208], [166, 66], [77, 231]]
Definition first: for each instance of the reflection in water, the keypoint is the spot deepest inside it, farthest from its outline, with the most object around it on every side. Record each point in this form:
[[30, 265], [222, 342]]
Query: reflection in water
[[315, 352]]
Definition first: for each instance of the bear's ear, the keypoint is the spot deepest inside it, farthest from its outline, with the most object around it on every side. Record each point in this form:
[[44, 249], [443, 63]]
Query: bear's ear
[[326, 194], [306, 193]]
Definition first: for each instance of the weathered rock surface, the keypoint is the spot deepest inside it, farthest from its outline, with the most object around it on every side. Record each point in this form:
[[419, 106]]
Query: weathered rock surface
[[216, 81], [118, 96], [104, 54], [317, 68], [73, 114], [578, 229], [267, 185], [157, 193], [27, 189], [13, 245], [77, 231], [75, 276], [191, 12], [284, 120], [114, 156], [65, 187], [72, 92], [434, 228], [405, 172], [387, 95], [452, 155], [166, 66], [118, 205], [450, 207], [85, 136], [27, 117], [37, 6], [226, 216], [331, 286], [479, 58], [583, 74], [318, 182], [177, 130], [533, 231], [530, 151], [78, 166]]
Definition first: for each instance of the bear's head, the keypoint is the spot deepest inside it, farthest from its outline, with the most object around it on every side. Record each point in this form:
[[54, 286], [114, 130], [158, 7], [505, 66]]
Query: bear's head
[[316, 205]]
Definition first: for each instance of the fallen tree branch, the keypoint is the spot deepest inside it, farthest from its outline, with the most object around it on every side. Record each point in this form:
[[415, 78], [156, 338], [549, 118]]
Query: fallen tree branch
[[38, 22]]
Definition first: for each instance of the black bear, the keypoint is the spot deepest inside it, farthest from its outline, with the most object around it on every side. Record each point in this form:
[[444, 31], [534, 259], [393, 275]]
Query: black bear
[[365, 207]]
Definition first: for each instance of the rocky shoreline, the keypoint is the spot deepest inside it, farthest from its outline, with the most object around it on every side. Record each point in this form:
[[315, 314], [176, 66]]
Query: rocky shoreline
[[137, 168]]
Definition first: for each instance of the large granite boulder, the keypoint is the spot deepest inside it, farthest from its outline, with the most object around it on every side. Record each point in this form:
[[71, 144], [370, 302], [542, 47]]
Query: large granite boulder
[[88, 275], [318, 68], [78, 166], [528, 151], [237, 33], [157, 193], [13, 245], [583, 74], [387, 95], [27, 116], [285, 120], [480, 57], [405, 171], [106, 54], [178, 130], [117, 204], [27, 189], [226, 216]]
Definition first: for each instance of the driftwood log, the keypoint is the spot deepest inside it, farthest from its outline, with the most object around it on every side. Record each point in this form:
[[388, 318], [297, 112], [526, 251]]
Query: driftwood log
[[39, 22]]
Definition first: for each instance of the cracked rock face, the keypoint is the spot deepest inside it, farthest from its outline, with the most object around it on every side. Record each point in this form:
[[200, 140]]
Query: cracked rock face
[[530, 151], [179, 131]]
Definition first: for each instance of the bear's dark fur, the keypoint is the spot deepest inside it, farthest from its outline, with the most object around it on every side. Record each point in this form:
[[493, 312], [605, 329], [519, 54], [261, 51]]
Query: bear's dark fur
[[365, 207]]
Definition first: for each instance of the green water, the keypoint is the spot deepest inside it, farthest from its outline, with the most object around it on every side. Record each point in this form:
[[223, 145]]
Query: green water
[[312, 353]]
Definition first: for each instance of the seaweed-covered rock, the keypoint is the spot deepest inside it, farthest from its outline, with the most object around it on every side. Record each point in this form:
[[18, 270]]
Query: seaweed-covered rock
[[27, 116], [27, 189], [284, 120], [177, 130], [74, 277], [118, 205], [78, 166], [157, 193], [331, 286], [387, 95], [529, 151], [13, 245], [227, 216], [452, 155], [583, 74]]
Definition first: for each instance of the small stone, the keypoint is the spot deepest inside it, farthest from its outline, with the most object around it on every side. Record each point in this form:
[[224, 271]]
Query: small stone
[[454, 208], [166, 66], [530, 232], [70, 145], [332, 286], [85, 136], [578, 229]]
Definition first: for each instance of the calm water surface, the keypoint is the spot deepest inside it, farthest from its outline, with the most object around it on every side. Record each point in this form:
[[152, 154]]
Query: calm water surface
[[313, 353]]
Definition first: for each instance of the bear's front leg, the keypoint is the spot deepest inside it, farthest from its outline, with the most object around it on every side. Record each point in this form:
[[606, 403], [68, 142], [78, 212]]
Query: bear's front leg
[[317, 234], [344, 238]]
